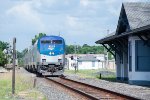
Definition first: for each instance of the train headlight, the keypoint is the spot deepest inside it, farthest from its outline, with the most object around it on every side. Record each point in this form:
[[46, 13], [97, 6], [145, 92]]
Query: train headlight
[[53, 53], [59, 57]]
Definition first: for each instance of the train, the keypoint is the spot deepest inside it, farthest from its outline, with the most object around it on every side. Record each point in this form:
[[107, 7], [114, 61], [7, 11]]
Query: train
[[46, 57]]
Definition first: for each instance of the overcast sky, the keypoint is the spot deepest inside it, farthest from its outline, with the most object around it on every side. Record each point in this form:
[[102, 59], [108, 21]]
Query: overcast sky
[[77, 21]]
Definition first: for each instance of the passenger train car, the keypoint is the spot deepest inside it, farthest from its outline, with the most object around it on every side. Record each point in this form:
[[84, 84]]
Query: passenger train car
[[46, 56]]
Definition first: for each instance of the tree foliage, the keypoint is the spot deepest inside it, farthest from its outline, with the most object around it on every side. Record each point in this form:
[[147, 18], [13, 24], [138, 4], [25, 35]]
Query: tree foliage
[[3, 45], [85, 49], [3, 60], [37, 37], [20, 56]]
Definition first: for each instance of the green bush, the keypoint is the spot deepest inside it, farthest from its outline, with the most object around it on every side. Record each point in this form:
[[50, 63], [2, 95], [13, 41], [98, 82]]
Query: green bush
[[3, 59]]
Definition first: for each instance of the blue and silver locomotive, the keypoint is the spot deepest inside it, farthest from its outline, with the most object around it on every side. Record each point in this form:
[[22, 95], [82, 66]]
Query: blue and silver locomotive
[[46, 56]]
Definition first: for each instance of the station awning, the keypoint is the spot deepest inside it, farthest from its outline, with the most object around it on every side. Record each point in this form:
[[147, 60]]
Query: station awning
[[139, 31]]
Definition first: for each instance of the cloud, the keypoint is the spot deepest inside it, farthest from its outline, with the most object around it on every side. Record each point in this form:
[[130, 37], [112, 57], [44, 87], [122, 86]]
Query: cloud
[[74, 19], [84, 3], [24, 12], [55, 6]]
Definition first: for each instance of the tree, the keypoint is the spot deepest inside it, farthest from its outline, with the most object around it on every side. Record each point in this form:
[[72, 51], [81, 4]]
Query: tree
[[69, 49], [85, 49], [37, 37], [85, 45], [20, 56], [3, 60], [3, 45], [24, 52]]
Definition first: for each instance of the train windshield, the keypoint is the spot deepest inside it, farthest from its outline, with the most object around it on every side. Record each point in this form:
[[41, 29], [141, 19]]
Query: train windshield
[[45, 41], [57, 42], [51, 41]]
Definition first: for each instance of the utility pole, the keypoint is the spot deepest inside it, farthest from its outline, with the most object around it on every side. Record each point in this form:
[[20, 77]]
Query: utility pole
[[14, 63], [75, 57], [107, 54]]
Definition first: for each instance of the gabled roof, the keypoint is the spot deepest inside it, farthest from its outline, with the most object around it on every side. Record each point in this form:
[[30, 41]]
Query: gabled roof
[[134, 18], [123, 24], [138, 14], [133, 15]]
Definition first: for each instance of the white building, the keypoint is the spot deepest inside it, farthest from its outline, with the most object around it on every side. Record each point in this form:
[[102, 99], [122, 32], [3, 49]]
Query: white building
[[88, 61]]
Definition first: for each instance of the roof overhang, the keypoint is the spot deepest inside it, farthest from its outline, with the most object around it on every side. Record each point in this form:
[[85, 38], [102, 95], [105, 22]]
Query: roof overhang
[[135, 32]]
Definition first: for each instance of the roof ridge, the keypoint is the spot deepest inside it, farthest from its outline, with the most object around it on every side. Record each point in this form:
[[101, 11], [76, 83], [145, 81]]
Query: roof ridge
[[136, 2]]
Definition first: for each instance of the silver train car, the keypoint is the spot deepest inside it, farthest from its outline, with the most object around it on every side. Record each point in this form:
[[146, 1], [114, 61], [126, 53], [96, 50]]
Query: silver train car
[[46, 56]]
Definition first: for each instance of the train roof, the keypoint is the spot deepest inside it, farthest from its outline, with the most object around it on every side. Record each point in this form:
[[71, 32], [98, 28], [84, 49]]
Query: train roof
[[52, 37], [49, 37]]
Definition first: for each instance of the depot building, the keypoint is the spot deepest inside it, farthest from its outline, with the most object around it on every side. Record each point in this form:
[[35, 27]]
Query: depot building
[[130, 43]]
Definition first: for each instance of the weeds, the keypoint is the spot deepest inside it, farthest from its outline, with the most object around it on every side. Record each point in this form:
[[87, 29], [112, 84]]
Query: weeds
[[23, 87]]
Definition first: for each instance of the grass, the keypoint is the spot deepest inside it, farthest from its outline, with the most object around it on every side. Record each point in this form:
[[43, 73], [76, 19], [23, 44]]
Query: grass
[[24, 87], [82, 73], [32, 95], [93, 74], [5, 87]]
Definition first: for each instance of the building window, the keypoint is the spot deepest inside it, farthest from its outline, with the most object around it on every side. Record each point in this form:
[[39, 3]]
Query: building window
[[93, 63], [130, 56], [142, 56]]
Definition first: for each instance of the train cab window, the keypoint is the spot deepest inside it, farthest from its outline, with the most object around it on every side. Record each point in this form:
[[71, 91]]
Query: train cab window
[[46, 41], [51, 41], [57, 42]]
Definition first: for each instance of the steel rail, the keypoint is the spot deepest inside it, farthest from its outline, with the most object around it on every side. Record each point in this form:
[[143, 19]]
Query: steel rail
[[112, 94]]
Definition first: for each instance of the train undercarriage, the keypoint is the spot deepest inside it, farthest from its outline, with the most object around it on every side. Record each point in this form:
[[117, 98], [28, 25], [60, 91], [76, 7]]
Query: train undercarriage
[[46, 70]]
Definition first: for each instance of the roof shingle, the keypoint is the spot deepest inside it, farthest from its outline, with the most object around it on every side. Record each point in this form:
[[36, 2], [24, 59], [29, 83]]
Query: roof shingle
[[138, 14]]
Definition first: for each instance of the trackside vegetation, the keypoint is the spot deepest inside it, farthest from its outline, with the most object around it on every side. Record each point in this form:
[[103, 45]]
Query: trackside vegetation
[[94, 74], [23, 89]]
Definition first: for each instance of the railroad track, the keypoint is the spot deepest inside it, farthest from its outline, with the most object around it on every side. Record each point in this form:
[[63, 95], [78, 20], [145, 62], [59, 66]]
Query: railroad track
[[89, 91]]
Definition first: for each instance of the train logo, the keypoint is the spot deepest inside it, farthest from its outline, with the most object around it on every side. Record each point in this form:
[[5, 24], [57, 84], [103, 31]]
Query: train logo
[[51, 47]]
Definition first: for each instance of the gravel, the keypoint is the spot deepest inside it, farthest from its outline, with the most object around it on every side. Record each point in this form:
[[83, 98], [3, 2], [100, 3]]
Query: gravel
[[140, 92], [52, 92]]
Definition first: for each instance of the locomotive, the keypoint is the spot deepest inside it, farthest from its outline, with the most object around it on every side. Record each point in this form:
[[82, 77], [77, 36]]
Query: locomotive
[[46, 56]]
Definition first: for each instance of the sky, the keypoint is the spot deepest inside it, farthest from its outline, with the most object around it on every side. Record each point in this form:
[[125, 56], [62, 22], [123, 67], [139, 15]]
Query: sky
[[77, 21]]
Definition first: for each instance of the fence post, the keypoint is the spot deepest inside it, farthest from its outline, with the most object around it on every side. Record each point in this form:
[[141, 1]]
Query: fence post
[[34, 84]]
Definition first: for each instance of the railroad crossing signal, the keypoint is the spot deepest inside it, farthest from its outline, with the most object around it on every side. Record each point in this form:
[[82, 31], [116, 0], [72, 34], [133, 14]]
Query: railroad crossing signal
[[72, 58]]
